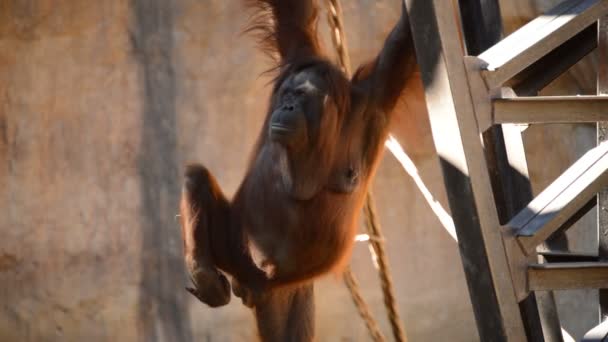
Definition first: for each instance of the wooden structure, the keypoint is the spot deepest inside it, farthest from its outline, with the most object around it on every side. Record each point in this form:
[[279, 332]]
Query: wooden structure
[[512, 245]]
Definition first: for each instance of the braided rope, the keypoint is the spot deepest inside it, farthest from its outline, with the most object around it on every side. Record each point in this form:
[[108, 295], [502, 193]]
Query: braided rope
[[334, 17], [372, 326], [372, 224], [373, 227]]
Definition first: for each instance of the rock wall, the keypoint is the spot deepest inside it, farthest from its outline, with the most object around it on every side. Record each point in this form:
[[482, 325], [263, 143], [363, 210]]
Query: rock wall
[[101, 105]]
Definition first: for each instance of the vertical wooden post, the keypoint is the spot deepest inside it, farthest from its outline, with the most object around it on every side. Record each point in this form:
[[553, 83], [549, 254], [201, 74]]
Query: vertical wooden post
[[602, 135], [459, 145]]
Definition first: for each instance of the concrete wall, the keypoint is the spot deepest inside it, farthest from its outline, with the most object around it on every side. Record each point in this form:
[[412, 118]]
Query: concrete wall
[[101, 105]]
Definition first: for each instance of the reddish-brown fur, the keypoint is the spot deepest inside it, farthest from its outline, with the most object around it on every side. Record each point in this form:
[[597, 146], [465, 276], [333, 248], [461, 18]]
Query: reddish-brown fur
[[293, 217]]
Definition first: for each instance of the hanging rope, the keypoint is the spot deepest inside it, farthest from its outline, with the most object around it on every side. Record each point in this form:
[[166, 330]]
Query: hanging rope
[[335, 24], [373, 227], [372, 224], [353, 287], [334, 17]]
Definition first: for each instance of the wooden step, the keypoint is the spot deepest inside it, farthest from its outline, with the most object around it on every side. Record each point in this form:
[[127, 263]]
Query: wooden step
[[567, 276], [561, 199], [544, 71], [537, 38], [597, 334], [550, 109], [568, 256]]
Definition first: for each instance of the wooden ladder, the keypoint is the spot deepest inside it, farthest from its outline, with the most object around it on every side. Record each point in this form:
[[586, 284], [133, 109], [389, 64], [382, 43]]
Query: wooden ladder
[[477, 100]]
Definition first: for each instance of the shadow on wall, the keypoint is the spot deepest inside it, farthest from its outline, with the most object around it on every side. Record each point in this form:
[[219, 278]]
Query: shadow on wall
[[162, 308]]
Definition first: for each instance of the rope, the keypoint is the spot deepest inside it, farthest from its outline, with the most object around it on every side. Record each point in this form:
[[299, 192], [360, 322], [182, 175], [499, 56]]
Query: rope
[[353, 287], [334, 17], [372, 224], [373, 228]]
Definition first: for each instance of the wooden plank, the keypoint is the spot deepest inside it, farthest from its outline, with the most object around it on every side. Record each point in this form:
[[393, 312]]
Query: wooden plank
[[536, 39], [481, 24], [550, 109], [562, 199], [561, 256], [568, 276], [553, 190], [515, 189], [508, 170], [557, 211], [552, 328], [538, 309], [556, 188], [541, 73], [455, 131], [602, 135], [598, 334], [554, 243]]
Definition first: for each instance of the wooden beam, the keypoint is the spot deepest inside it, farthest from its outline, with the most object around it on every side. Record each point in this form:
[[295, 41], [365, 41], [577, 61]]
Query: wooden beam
[[539, 37], [459, 147], [562, 199], [550, 218], [558, 244], [540, 74], [598, 334], [568, 276], [602, 135], [550, 109], [559, 256], [481, 24]]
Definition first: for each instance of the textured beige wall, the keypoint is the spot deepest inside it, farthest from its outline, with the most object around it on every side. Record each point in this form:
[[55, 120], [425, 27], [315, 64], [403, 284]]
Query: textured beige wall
[[101, 105]]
